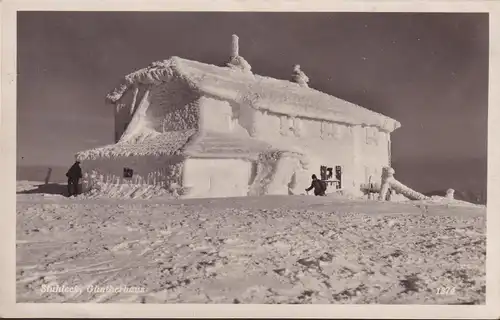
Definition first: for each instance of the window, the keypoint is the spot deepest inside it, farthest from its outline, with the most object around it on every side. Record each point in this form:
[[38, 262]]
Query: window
[[296, 126], [291, 126], [324, 133], [299, 127], [326, 173], [284, 125], [128, 173], [330, 177], [371, 135], [337, 131], [330, 130]]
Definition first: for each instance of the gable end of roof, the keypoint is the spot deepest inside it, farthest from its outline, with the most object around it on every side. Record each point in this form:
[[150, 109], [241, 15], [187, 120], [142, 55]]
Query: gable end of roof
[[154, 74]]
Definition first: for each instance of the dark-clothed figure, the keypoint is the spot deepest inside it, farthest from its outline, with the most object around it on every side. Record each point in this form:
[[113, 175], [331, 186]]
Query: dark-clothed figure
[[74, 174], [318, 186]]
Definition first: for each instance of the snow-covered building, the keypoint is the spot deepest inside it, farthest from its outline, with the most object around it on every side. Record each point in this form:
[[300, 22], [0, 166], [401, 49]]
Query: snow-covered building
[[216, 131]]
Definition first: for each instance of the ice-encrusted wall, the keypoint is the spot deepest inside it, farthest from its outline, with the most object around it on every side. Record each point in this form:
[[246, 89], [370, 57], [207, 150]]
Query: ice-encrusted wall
[[219, 116], [147, 170], [278, 173], [173, 107], [168, 106], [361, 151], [375, 152], [216, 177]]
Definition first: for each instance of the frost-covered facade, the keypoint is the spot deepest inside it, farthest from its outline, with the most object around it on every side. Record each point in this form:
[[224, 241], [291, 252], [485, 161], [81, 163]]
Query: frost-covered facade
[[213, 131]]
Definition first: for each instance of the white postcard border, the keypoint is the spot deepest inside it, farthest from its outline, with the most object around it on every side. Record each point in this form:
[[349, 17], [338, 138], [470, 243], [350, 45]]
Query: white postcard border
[[8, 307]]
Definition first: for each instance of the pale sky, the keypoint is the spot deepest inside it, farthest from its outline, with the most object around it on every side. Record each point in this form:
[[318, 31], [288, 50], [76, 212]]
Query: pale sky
[[428, 71]]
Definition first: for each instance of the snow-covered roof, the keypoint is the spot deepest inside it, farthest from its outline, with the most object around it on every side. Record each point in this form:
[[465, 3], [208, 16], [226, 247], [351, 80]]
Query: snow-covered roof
[[169, 143], [188, 143], [264, 93]]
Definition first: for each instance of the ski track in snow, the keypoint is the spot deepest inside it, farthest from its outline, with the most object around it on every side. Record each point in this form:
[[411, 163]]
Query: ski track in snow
[[271, 249]]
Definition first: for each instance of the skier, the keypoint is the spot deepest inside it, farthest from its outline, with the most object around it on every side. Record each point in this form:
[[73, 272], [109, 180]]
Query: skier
[[74, 174], [319, 186]]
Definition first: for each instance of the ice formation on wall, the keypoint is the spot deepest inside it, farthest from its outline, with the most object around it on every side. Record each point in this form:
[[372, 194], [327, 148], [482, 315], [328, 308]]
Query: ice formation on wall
[[112, 190], [277, 173], [146, 170], [388, 181]]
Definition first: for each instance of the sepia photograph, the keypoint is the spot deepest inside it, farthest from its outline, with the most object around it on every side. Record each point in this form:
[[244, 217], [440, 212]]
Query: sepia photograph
[[211, 157]]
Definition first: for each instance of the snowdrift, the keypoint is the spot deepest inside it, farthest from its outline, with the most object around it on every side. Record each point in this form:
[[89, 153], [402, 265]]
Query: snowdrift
[[118, 191]]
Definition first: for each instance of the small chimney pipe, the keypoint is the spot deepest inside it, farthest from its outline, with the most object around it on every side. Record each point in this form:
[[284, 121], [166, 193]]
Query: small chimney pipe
[[234, 46]]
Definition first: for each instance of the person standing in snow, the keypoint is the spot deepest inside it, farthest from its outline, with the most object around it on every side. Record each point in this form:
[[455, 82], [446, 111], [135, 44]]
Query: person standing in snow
[[319, 186], [74, 174]]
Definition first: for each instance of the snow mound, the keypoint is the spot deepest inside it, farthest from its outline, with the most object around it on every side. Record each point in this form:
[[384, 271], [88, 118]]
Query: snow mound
[[343, 194], [451, 202], [438, 200]]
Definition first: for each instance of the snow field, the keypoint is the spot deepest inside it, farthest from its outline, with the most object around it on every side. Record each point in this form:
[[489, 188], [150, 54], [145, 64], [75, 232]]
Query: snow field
[[270, 249]]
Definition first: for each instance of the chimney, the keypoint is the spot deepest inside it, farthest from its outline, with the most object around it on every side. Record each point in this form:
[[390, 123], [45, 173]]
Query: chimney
[[236, 61], [298, 76], [234, 46]]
